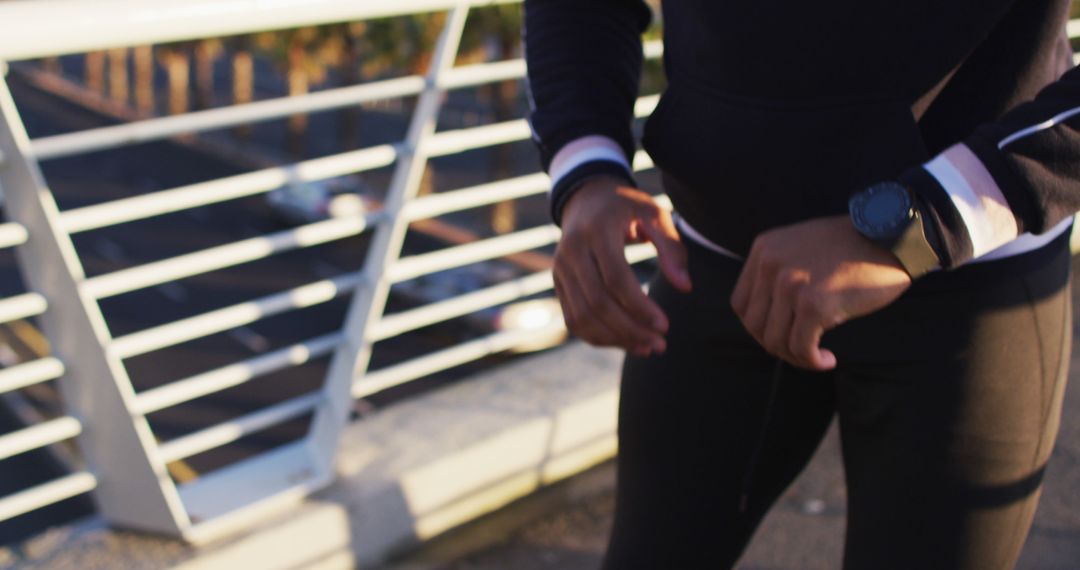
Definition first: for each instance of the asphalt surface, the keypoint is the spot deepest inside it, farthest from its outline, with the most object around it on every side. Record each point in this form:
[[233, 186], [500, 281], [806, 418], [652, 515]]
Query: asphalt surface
[[566, 526]]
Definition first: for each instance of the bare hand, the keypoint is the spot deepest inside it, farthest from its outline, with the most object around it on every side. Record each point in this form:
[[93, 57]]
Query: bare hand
[[804, 279], [601, 299]]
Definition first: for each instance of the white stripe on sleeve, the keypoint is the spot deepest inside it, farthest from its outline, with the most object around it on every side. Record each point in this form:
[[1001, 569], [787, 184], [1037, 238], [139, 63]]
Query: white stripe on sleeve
[[1047, 124], [585, 149]]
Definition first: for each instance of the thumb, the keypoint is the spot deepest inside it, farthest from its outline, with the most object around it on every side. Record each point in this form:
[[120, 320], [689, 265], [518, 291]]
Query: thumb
[[824, 359], [669, 248]]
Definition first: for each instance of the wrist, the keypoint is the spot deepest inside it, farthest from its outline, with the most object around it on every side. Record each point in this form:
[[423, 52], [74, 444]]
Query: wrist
[[892, 216], [569, 185]]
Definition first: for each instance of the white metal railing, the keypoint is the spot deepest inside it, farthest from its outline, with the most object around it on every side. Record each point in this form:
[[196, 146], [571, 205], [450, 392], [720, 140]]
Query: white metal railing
[[131, 486], [225, 256], [126, 464], [234, 316], [28, 374]]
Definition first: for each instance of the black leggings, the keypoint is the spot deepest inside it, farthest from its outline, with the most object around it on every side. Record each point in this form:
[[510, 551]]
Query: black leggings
[[948, 401]]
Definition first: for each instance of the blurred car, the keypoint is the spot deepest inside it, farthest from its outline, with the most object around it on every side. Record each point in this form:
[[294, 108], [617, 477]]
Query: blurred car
[[300, 203], [539, 314]]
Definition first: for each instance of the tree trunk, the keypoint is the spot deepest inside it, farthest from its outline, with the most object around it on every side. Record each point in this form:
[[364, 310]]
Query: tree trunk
[[298, 85], [349, 117], [52, 65], [118, 75], [243, 84], [178, 68], [204, 75], [95, 71], [144, 79], [503, 95]]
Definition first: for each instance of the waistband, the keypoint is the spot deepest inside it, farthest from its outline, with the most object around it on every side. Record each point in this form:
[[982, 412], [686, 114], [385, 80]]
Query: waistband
[[1024, 243]]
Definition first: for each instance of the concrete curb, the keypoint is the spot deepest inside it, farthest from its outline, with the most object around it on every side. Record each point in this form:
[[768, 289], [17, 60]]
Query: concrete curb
[[406, 474]]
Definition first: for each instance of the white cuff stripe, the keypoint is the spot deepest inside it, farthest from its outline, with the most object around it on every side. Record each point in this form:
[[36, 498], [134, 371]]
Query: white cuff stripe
[[967, 202], [1028, 242], [1047, 124], [582, 150]]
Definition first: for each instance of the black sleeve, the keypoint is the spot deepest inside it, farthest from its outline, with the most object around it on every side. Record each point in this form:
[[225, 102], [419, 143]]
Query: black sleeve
[[1033, 154], [584, 62]]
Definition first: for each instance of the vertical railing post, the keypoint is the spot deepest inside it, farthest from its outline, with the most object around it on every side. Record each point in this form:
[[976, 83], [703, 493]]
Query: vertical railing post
[[366, 308], [134, 488]]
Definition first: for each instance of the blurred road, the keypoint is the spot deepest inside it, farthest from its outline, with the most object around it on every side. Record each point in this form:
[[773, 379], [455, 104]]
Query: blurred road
[[565, 527]]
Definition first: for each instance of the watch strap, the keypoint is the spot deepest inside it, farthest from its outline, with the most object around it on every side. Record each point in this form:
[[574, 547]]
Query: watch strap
[[913, 249]]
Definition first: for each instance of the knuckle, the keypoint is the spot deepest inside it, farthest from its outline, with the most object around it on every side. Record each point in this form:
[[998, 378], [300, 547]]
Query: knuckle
[[768, 260], [812, 302], [762, 242], [626, 291], [648, 207], [773, 343], [590, 298], [604, 309], [791, 277]]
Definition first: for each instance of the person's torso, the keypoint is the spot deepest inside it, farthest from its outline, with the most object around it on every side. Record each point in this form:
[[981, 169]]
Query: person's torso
[[776, 111]]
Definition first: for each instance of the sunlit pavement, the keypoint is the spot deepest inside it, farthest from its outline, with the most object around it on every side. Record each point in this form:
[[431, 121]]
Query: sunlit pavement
[[566, 526]]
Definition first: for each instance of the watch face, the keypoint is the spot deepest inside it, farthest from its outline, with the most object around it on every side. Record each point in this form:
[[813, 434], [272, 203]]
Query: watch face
[[882, 211]]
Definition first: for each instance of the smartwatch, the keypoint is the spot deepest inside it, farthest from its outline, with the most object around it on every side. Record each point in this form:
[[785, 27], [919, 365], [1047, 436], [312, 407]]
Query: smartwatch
[[888, 214]]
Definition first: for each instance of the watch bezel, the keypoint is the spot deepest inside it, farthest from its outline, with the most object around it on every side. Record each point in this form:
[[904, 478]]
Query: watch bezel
[[887, 230]]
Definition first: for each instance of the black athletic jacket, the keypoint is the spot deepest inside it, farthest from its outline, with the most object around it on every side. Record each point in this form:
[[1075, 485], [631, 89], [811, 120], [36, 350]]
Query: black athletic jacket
[[777, 111]]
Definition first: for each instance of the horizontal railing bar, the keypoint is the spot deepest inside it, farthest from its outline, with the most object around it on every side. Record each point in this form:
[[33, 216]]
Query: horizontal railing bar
[[395, 375], [642, 161], [12, 234], [104, 24], [645, 105], [405, 321], [28, 439], [482, 73], [46, 494], [236, 374], [30, 373], [147, 130], [224, 256], [421, 264], [232, 430], [640, 252], [457, 355], [432, 205], [224, 189], [653, 49], [237, 315], [21, 307], [471, 138], [261, 181]]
